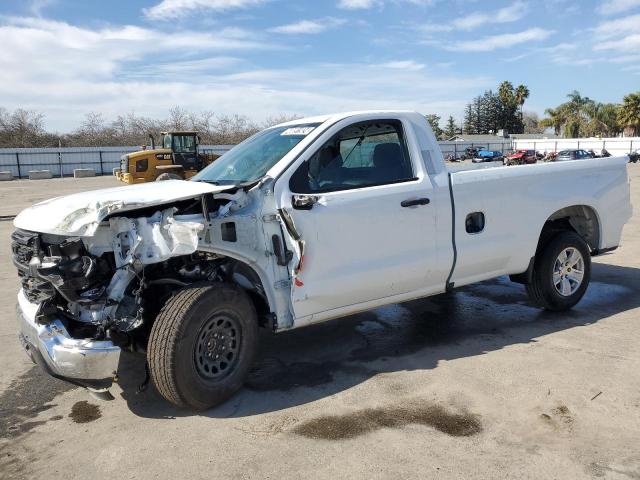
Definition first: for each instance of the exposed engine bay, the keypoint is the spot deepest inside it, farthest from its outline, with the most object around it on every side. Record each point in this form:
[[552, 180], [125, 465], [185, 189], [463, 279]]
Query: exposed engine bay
[[112, 284]]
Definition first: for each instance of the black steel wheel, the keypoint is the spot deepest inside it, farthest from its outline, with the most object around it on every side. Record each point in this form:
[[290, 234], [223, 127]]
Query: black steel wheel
[[218, 347], [202, 345]]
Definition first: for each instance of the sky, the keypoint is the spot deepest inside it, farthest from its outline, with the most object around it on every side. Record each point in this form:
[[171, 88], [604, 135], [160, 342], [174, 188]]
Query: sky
[[264, 58]]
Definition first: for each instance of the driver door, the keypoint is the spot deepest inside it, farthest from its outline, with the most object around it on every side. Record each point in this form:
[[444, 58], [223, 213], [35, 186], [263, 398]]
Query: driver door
[[367, 224]]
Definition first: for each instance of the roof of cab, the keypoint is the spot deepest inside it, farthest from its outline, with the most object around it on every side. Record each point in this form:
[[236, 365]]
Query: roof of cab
[[338, 116]]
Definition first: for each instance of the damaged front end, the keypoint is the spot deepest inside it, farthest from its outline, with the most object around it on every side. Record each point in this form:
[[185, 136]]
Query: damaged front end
[[86, 295], [82, 298]]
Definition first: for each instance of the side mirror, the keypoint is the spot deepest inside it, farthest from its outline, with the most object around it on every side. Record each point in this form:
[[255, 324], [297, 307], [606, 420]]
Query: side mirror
[[304, 202]]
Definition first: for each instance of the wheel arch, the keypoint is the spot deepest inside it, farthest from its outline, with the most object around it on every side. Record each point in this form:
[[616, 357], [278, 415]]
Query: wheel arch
[[581, 219], [254, 280]]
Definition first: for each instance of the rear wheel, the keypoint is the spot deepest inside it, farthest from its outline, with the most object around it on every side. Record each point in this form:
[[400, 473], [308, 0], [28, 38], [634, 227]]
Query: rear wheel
[[561, 272], [202, 345]]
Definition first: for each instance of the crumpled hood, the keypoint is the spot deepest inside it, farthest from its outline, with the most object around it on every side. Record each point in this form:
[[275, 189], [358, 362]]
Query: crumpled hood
[[81, 213]]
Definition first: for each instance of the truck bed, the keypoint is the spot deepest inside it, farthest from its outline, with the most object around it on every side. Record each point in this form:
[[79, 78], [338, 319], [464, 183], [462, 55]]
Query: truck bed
[[516, 201]]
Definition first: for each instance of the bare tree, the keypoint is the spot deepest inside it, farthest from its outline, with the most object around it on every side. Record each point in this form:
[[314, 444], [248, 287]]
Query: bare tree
[[24, 128], [178, 118]]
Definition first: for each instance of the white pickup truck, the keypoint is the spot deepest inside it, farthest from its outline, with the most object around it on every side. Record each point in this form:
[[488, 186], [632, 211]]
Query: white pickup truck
[[304, 222]]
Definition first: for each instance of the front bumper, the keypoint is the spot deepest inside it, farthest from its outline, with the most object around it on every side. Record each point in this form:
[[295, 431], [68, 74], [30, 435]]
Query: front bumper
[[128, 178], [85, 362]]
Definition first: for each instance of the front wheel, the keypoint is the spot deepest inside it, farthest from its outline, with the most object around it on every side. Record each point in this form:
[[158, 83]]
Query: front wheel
[[202, 345], [561, 272], [168, 176]]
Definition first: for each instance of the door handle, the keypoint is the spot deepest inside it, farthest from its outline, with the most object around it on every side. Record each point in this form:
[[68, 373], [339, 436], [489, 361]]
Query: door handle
[[304, 202], [415, 202]]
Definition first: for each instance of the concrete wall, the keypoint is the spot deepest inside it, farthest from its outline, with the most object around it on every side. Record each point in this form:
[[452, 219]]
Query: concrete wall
[[615, 146]]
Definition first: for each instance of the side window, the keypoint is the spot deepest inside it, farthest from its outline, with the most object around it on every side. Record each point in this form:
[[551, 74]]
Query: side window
[[360, 155]]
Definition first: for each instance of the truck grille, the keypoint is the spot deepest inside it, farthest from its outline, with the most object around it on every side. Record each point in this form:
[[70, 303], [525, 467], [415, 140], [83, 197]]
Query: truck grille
[[24, 246]]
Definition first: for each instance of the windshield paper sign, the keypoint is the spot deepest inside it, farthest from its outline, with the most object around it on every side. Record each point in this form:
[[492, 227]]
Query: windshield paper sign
[[298, 131]]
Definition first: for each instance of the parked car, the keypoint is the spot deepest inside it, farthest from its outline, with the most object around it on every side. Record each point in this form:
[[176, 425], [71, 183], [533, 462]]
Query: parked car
[[603, 153], [470, 153], [521, 157], [573, 154], [304, 222], [488, 156]]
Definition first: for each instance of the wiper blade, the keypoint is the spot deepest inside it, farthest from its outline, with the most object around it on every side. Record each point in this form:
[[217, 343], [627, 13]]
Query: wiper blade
[[212, 182]]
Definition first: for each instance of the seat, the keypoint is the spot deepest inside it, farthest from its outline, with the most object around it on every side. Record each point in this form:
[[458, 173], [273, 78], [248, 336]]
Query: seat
[[329, 164], [388, 163]]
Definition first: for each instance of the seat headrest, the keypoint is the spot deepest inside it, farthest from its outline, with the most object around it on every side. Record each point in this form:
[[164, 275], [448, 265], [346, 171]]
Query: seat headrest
[[387, 155]]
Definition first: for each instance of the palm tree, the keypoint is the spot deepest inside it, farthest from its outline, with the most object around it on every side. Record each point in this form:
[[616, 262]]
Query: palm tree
[[521, 94], [603, 119], [629, 113], [505, 92], [556, 118], [576, 111]]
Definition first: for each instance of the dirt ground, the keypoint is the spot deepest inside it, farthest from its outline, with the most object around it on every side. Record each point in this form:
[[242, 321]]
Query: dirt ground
[[476, 384]]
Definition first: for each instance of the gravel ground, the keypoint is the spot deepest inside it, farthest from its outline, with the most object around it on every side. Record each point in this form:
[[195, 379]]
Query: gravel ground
[[476, 384]]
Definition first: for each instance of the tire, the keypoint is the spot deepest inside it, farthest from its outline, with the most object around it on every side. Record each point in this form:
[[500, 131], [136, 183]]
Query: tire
[[544, 290], [168, 176], [180, 354]]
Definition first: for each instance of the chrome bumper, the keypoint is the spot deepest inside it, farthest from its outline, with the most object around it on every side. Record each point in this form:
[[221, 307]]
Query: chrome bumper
[[86, 362]]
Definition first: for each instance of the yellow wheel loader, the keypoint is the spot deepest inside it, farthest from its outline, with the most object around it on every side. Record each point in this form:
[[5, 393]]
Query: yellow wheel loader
[[177, 158]]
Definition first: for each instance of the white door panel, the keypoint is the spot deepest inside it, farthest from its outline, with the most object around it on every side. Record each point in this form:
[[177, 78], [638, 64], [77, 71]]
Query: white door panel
[[363, 245]]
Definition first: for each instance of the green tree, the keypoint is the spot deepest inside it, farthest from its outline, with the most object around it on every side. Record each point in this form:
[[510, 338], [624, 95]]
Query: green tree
[[451, 129], [512, 99], [577, 117], [556, 118], [434, 121], [602, 119], [629, 113], [521, 94], [469, 123]]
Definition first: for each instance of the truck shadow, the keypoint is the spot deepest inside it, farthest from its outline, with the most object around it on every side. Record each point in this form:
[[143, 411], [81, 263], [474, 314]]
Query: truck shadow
[[315, 362]]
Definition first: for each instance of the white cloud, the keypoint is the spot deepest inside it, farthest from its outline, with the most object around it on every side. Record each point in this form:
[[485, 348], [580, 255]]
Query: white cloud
[[170, 9], [367, 4], [617, 27], [358, 4], [495, 42], [403, 65], [38, 5], [630, 43], [58, 51], [309, 26], [511, 13], [508, 14], [619, 36], [120, 69], [612, 7]]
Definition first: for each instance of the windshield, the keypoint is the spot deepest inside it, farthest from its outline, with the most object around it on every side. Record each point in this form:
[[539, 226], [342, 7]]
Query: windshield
[[166, 141], [184, 143], [252, 159]]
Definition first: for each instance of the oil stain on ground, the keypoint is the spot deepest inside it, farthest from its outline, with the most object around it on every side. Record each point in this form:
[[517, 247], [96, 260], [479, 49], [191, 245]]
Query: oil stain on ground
[[25, 397], [84, 412], [361, 422]]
